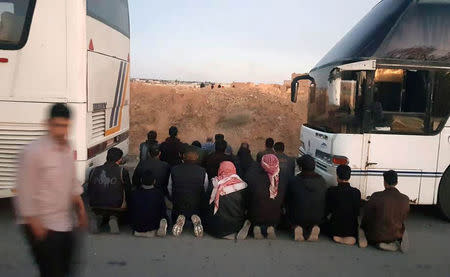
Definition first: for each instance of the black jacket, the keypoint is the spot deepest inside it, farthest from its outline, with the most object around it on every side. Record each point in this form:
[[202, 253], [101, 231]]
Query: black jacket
[[107, 184], [144, 149], [188, 191], [287, 166], [160, 169], [343, 203], [262, 210], [229, 217], [305, 200], [147, 207], [172, 151]]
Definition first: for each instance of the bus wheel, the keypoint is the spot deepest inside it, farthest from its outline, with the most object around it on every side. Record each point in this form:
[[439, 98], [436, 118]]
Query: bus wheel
[[444, 194]]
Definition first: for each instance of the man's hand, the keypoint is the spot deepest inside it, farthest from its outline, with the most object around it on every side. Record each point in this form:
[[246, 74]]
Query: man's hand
[[81, 212], [38, 230]]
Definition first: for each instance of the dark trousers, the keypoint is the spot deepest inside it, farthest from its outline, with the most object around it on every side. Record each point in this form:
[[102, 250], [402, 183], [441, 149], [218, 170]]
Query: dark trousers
[[53, 254]]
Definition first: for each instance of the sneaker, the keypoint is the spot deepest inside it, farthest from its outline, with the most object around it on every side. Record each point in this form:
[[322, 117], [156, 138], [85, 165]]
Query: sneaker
[[162, 231], [113, 225], [314, 236], [388, 246], [198, 228], [271, 233], [298, 234], [243, 233], [362, 240], [257, 232], [404, 244], [94, 224], [179, 225]]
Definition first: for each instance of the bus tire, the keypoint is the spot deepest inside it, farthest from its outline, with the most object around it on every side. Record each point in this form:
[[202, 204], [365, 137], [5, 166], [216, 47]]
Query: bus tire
[[444, 194]]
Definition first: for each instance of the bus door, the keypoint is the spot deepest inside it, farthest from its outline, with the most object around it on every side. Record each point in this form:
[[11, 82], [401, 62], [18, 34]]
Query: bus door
[[400, 135]]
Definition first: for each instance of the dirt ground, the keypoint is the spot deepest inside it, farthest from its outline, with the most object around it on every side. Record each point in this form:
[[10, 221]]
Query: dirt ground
[[246, 113]]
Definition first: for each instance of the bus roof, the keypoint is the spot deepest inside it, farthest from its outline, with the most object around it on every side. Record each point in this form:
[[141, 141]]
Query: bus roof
[[402, 30]]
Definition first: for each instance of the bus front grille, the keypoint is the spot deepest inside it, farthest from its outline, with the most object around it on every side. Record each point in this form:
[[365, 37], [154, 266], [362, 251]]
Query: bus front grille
[[98, 124], [13, 138]]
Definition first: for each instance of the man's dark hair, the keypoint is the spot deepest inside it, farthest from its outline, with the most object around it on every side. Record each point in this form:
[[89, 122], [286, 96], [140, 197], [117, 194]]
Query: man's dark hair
[[152, 135], [114, 154], [173, 131], [153, 150], [59, 110], [197, 143], [245, 145], [344, 172], [221, 146], [269, 142], [390, 177], [148, 179], [218, 137], [306, 163], [278, 147]]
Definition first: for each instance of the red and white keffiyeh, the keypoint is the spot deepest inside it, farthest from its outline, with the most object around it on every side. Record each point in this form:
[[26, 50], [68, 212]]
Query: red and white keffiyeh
[[225, 183], [271, 166]]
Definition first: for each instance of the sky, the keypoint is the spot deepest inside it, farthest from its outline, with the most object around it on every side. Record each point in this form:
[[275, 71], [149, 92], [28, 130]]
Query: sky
[[236, 40]]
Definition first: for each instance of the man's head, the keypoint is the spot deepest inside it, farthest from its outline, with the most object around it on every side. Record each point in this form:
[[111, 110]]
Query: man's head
[[344, 172], [190, 155], [269, 143], [209, 139], [219, 137], [390, 178], [173, 131], [59, 122], [197, 143], [148, 179], [114, 155], [245, 145], [279, 147], [221, 146], [151, 136], [154, 151], [306, 163]]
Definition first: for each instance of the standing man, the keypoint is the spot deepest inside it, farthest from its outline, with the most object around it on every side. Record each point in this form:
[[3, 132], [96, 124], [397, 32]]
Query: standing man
[[287, 164], [47, 194], [172, 148], [146, 145]]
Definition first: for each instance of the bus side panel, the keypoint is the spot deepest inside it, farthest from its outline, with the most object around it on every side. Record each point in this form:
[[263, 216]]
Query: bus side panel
[[38, 71], [444, 155]]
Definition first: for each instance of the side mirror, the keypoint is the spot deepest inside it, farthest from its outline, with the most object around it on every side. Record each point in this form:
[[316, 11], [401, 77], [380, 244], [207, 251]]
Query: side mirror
[[294, 85]]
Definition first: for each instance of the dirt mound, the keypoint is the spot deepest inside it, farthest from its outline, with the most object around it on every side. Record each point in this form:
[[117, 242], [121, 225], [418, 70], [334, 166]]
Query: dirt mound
[[247, 113]]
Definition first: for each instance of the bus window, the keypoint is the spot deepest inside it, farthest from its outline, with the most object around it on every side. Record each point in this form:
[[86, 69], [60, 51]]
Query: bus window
[[113, 13], [401, 97], [15, 18], [440, 108]]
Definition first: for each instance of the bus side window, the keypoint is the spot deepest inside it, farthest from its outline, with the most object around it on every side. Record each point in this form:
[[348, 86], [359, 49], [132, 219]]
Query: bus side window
[[441, 100]]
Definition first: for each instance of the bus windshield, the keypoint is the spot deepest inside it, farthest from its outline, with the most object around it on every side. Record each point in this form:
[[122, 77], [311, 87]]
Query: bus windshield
[[14, 15]]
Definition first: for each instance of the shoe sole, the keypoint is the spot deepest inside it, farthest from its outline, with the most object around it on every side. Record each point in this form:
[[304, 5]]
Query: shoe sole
[[179, 225], [113, 227], [388, 247], [314, 234], [362, 240], [243, 233], [298, 234], [257, 233], [198, 228], [271, 233], [162, 231]]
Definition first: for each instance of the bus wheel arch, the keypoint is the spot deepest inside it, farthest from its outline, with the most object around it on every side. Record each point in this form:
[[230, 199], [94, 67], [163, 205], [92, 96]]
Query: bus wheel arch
[[444, 194]]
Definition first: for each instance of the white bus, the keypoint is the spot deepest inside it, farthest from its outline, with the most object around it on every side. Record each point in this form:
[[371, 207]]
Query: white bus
[[70, 51], [380, 99]]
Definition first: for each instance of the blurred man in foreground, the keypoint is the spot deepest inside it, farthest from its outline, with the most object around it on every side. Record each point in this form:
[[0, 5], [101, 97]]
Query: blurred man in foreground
[[47, 194]]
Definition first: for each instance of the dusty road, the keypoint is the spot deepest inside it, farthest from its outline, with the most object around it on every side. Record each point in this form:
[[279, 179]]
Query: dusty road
[[124, 255]]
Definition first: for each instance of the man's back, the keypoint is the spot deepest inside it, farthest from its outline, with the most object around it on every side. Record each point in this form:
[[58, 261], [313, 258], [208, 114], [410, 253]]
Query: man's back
[[188, 189], [171, 151], [385, 214], [262, 153], [147, 208], [306, 198], [159, 169], [287, 166], [343, 203], [106, 188]]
